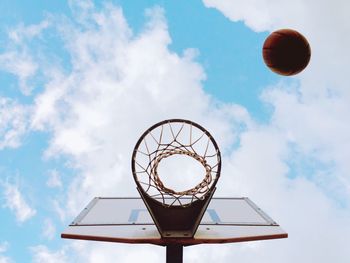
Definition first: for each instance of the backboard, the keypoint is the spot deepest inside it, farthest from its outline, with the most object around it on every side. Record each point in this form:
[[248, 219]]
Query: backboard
[[127, 220]]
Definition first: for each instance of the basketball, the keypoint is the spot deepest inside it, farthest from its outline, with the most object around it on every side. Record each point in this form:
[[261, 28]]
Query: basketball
[[286, 52]]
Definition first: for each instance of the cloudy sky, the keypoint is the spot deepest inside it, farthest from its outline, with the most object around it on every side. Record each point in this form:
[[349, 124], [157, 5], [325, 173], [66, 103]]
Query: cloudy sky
[[81, 80]]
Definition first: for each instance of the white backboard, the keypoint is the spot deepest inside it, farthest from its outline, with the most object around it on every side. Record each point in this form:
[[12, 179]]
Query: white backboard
[[127, 220]]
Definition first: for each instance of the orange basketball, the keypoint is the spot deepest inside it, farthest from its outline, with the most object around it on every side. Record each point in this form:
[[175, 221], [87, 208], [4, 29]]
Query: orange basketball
[[286, 52]]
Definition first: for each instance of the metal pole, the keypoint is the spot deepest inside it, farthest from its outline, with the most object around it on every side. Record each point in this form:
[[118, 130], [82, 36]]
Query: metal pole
[[174, 253]]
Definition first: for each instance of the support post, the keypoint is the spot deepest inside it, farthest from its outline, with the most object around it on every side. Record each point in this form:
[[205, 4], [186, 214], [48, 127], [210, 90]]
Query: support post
[[174, 253]]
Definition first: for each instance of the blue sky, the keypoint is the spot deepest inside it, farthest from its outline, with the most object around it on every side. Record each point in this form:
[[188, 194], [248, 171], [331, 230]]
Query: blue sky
[[81, 80]]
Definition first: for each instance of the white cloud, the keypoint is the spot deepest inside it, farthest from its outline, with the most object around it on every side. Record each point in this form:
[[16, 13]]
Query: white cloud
[[91, 252], [20, 64], [41, 254], [269, 15], [49, 229], [4, 259], [3, 248], [16, 203], [106, 252], [58, 207], [17, 58], [54, 179], [13, 122], [22, 33], [319, 131]]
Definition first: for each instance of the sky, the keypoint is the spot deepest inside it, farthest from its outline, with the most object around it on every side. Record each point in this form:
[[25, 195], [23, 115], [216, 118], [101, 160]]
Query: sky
[[81, 80]]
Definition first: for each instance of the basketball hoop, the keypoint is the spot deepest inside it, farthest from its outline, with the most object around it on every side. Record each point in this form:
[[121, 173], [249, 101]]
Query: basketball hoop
[[169, 138], [178, 215]]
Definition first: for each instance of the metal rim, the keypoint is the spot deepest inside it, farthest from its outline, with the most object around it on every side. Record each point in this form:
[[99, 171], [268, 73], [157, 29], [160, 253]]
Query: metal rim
[[200, 190]]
